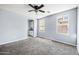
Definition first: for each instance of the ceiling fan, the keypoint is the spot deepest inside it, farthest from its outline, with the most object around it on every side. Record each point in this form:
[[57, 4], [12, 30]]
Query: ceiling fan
[[37, 8]]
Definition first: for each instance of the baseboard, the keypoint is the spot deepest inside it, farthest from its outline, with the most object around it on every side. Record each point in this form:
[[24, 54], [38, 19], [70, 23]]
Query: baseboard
[[13, 40], [58, 41]]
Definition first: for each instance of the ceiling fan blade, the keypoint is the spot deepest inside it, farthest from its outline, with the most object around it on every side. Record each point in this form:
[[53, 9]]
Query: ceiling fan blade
[[40, 6], [42, 11], [31, 5], [31, 10]]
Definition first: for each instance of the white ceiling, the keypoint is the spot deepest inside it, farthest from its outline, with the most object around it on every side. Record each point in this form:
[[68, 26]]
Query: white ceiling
[[23, 9], [54, 8]]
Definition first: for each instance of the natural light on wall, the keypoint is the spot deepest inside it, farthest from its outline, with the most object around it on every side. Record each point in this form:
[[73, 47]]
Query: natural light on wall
[[41, 25]]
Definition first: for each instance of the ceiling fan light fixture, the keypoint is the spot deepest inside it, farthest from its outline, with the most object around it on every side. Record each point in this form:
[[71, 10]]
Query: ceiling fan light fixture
[[36, 8]]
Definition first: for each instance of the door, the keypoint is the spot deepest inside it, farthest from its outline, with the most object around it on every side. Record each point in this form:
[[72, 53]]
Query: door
[[31, 28]]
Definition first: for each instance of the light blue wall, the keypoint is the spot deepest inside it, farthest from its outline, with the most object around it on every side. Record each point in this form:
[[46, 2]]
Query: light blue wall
[[13, 27], [50, 29]]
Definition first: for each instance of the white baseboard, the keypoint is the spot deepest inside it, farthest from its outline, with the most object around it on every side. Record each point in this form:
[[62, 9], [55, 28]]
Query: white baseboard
[[23, 38]]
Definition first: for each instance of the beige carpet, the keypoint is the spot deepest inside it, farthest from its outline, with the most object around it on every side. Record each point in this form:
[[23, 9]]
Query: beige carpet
[[37, 46]]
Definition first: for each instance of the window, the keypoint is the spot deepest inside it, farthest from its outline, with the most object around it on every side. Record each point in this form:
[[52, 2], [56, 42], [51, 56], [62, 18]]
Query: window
[[41, 25], [63, 25]]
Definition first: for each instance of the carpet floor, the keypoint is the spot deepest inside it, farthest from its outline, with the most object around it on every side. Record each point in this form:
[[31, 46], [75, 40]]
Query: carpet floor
[[37, 46]]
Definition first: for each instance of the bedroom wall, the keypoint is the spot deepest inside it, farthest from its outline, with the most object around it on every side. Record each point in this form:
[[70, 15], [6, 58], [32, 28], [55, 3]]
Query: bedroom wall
[[50, 28], [13, 25]]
